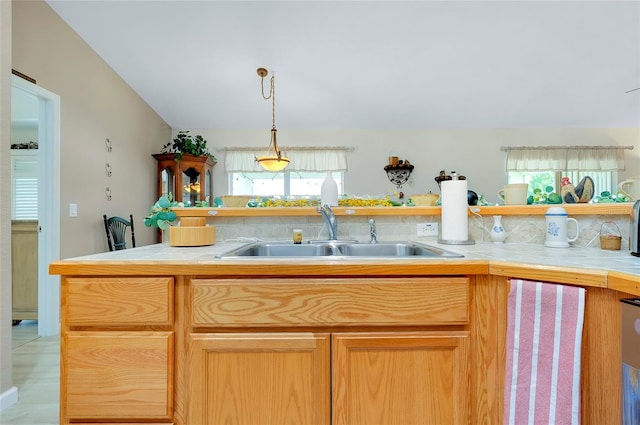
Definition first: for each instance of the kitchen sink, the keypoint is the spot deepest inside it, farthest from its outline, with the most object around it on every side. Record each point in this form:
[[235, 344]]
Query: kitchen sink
[[395, 249], [341, 249], [275, 249]]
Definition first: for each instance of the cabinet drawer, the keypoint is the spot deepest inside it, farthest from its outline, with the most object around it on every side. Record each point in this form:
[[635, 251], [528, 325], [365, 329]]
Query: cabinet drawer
[[118, 301], [118, 375], [366, 301]]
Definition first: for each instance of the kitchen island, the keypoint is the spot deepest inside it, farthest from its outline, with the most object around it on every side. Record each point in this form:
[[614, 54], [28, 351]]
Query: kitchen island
[[177, 335]]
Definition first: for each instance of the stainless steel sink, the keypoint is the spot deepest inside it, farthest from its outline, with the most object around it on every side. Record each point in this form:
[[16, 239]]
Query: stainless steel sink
[[395, 249], [268, 249], [343, 249]]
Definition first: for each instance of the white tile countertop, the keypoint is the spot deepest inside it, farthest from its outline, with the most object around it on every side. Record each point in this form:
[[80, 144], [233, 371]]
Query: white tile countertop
[[572, 257]]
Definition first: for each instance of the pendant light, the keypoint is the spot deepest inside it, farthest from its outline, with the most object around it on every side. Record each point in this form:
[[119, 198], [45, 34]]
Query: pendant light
[[272, 160]]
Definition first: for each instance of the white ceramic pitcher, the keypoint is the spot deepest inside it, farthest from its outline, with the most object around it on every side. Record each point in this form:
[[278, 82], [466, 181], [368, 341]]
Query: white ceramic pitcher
[[633, 187], [557, 223]]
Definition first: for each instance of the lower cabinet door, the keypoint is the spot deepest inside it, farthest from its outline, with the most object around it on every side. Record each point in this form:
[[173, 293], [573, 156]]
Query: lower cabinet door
[[401, 378], [260, 378], [124, 376]]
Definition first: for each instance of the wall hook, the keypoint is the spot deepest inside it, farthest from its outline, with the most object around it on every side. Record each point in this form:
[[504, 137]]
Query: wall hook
[[107, 142], [108, 169], [107, 192]]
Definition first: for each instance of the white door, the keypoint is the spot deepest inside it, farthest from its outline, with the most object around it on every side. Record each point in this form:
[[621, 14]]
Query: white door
[[48, 124]]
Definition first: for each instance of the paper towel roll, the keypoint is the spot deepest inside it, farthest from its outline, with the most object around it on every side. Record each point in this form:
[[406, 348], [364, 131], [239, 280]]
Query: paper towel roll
[[453, 198]]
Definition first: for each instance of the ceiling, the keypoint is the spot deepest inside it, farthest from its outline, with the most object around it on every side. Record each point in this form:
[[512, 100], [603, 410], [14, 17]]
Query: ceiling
[[373, 64]]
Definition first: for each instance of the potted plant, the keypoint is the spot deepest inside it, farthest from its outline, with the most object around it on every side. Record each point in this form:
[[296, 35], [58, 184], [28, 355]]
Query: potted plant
[[185, 143], [160, 214]]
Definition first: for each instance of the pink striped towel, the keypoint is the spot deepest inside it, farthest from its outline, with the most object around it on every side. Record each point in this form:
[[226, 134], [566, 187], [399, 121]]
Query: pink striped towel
[[544, 338]]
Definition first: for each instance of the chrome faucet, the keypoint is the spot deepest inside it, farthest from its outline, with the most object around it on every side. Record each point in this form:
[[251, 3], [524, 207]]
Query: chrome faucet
[[330, 220], [372, 230]]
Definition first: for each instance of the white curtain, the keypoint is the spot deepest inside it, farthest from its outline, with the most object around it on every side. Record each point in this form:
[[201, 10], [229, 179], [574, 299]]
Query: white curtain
[[570, 158], [302, 159]]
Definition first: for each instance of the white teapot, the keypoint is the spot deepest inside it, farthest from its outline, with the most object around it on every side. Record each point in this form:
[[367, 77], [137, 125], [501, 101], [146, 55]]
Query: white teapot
[[633, 188], [557, 223]]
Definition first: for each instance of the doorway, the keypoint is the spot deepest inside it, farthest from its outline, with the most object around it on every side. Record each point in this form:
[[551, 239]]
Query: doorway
[[47, 121]]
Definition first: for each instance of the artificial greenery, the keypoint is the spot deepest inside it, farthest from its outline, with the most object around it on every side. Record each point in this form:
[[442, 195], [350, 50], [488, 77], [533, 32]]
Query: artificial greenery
[[548, 196], [160, 214], [186, 143]]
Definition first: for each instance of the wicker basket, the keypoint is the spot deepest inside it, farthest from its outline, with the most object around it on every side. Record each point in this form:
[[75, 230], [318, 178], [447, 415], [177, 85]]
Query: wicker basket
[[235, 201], [426, 200], [610, 241]]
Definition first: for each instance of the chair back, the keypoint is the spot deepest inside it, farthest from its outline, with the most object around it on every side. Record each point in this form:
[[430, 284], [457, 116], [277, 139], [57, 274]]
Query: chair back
[[116, 228]]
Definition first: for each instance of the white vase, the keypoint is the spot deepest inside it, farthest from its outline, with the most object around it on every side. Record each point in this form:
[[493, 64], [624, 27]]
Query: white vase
[[329, 191], [497, 234]]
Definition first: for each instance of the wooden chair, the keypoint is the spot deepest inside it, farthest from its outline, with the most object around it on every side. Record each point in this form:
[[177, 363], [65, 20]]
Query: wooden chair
[[116, 228]]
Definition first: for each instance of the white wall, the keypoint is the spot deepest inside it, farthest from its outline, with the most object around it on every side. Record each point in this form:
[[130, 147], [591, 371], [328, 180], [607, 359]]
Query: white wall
[[7, 391], [23, 134], [474, 153], [96, 104]]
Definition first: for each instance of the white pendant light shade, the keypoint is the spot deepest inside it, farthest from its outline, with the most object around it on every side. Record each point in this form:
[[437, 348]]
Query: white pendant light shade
[[273, 163]]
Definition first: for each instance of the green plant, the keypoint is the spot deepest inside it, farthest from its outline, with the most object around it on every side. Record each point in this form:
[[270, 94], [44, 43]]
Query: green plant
[[186, 143], [160, 214], [548, 196]]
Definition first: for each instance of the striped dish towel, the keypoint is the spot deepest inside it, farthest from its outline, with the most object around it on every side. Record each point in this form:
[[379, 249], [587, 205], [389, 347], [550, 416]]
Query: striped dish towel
[[544, 338]]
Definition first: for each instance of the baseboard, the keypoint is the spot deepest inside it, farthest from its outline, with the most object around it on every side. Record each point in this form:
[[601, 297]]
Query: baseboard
[[8, 398]]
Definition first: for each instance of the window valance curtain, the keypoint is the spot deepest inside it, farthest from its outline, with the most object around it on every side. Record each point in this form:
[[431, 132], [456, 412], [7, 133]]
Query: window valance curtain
[[302, 159], [565, 158]]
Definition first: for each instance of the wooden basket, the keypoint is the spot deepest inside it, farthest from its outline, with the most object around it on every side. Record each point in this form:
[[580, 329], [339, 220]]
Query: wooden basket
[[192, 235], [193, 221], [610, 242]]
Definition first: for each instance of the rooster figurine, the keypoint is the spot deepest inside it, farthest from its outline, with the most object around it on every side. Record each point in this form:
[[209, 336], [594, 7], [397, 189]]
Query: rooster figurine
[[568, 191], [585, 189]]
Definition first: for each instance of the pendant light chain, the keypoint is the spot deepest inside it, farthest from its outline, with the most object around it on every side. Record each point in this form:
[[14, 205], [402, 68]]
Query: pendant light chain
[[272, 96], [273, 102], [275, 162]]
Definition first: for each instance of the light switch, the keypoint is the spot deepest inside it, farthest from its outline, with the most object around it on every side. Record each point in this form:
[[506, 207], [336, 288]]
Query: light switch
[[73, 210]]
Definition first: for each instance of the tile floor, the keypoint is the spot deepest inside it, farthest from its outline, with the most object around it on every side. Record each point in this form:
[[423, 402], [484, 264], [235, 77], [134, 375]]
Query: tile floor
[[36, 373]]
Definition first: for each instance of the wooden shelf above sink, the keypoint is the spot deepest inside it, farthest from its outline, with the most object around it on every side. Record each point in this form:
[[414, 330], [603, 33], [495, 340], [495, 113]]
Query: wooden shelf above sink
[[506, 210]]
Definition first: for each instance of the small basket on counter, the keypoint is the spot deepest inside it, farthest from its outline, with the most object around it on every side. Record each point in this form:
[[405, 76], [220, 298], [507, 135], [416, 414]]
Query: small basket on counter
[[610, 239]]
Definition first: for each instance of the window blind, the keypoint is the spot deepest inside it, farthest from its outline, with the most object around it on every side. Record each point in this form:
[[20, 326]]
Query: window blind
[[24, 182]]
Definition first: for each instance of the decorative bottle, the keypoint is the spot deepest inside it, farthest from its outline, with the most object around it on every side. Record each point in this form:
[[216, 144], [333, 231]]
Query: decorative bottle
[[497, 234], [329, 191]]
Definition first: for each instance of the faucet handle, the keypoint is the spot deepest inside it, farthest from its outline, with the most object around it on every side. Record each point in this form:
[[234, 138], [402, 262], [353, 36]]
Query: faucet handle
[[373, 232]]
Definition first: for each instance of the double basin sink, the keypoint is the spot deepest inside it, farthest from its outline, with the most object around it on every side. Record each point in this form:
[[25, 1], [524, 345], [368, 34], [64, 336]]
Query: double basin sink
[[340, 249]]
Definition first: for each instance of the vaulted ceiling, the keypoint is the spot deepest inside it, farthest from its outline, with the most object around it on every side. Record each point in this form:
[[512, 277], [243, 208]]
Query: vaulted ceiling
[[373, 64]]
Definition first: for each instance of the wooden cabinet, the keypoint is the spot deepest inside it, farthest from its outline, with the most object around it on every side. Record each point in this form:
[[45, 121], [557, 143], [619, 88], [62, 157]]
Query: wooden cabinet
[[117, 349], [24, 269], [189, 179], [400, 378], [118, 375], [260, 378], [379, 373]]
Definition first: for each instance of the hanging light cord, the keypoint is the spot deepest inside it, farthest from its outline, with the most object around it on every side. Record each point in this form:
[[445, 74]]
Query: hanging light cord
[[272, 96]]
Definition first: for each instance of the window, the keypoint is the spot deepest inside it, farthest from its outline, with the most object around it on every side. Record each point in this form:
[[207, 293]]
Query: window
[[298, 183], [545, 166], [303, 176], [24, 184], [602, 180]]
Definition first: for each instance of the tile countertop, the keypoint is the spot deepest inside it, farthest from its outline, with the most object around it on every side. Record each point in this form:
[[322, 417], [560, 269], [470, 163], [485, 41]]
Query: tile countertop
[[584, 259]]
